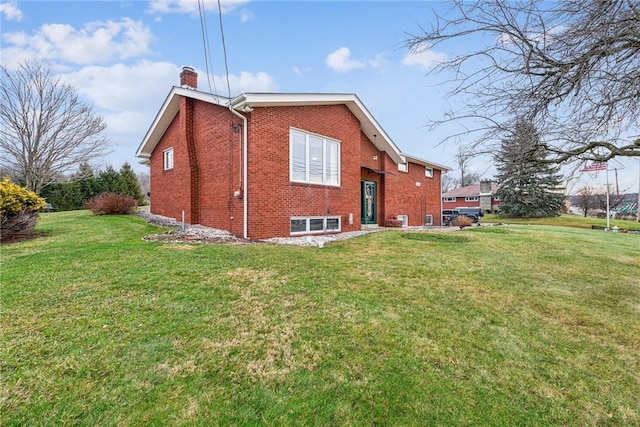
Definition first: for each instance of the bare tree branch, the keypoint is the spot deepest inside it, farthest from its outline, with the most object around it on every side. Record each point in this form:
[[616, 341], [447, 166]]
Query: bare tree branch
[[45, 129], [570, 68]]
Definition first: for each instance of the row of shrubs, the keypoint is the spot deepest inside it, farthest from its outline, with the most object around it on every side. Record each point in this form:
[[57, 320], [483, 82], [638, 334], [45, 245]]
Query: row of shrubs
[[74, 193], [19, 208]]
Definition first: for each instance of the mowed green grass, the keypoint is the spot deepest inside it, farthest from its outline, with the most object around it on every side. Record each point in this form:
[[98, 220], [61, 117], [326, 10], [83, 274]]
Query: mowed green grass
[[565, 220], [506, 325]]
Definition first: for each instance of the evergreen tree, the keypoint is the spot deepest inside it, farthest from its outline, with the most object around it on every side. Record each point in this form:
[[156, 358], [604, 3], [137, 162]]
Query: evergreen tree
[[72, 193], [109, 181], [86, 182], [130, 185], [529, 186]]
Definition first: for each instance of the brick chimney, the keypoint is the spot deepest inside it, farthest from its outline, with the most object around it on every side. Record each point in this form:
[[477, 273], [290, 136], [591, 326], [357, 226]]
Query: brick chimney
[[189, 78]]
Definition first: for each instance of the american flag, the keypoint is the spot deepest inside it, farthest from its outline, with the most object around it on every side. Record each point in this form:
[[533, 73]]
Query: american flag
[[595, 166]]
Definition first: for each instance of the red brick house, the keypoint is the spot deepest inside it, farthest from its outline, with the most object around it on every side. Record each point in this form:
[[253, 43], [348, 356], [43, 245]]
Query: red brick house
[[266, 165], [482, 195]]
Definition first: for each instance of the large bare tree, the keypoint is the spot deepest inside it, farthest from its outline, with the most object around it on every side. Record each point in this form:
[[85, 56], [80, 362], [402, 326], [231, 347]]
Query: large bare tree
[[45, 128], [570, 68]]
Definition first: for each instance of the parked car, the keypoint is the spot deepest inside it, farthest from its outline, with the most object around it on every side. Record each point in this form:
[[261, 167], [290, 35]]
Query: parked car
[[448, 215], [473, 213]]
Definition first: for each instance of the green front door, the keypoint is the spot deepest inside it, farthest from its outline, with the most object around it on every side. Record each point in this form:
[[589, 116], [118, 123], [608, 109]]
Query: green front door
[[368, 202]]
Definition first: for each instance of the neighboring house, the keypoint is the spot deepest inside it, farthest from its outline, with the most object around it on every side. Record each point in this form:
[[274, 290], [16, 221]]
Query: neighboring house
[[264, 165], [482, 196]]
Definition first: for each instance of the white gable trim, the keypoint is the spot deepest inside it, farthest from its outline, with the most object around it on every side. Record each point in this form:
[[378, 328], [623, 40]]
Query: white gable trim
[[368, 124], [168, 112], [426, 163]]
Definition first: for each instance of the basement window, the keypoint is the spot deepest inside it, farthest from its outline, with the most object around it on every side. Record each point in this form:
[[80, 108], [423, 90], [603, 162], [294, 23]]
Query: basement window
[[314, 225], [428, 220], [168, 159], [404, 219]]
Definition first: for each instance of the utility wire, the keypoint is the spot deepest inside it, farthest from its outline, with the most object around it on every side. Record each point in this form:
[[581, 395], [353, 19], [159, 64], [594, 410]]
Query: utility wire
[[224, 50], [206, 47]]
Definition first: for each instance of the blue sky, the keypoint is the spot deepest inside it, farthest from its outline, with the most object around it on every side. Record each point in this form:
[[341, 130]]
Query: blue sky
[[124, 57]]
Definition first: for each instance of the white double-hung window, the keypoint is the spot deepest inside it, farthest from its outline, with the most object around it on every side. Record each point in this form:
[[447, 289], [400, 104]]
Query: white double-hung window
[[313, 158]]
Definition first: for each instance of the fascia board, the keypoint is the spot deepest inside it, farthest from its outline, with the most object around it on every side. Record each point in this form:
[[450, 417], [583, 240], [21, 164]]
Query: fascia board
[[423, 162], [368, 124], [167, 113]]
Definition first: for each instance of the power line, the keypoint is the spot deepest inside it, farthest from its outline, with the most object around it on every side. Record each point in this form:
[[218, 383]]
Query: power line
[[206, 46], [224, 50]]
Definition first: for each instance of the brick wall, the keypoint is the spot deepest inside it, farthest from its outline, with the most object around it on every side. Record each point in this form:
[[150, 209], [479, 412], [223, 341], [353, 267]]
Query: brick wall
[[217, 154], [412, 193], [170, 189], [461, 203], [273, 199]]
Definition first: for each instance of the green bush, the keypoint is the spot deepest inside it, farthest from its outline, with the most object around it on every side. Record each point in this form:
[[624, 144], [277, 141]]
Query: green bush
[[73, 193], [18, 210], [112, 204]]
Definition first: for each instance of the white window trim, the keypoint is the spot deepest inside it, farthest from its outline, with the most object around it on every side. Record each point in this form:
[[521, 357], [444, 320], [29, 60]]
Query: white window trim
[[428, 219], [428, 172], [324, 147], [308, 225], [167, 159], [449, 199], [403, 167], [405, 220], [471, 198]]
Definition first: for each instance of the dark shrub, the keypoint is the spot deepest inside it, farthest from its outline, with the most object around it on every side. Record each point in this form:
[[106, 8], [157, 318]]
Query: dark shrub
[[18, 226], [112, 204], [462, 221]]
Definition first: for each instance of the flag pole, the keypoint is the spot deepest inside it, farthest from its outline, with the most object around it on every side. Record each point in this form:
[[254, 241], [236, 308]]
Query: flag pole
[[608, 214]]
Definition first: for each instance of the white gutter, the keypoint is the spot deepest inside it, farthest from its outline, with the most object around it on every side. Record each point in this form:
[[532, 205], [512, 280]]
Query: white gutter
[[245, 215]]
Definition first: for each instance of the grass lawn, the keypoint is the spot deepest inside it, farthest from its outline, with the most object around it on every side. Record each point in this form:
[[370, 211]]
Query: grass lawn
[[508, 325], [565, 220]]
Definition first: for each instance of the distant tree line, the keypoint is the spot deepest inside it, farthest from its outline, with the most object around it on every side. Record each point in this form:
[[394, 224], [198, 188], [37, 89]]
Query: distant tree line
[[74, 191]]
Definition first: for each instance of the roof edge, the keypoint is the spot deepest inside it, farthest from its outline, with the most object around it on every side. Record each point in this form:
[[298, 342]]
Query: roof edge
[[168, 111]]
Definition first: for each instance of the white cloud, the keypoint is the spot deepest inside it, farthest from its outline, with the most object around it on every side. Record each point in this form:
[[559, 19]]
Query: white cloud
[[129, 97], [549, 36], [341, 61], [97, 42], [245, 82], [119, 87], [191, 6], [424, 57], [245, 15], [10, 11], [378, 61]]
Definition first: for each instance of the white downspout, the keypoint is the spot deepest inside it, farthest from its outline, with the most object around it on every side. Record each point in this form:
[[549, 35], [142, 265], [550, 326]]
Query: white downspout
[[245, 215]]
